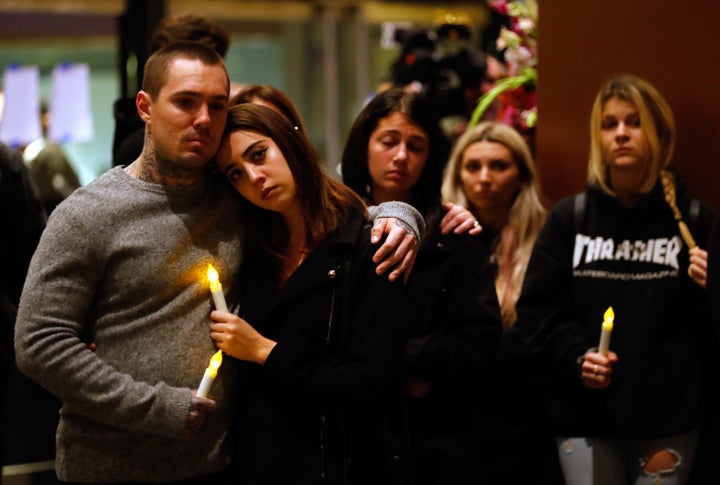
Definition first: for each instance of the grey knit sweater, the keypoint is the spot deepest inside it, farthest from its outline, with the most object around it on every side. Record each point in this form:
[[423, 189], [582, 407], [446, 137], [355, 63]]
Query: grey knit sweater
[[122, 263]]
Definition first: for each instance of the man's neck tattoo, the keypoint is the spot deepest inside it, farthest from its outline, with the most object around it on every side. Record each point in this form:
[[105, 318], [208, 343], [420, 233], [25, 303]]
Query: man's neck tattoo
[[155, 170]]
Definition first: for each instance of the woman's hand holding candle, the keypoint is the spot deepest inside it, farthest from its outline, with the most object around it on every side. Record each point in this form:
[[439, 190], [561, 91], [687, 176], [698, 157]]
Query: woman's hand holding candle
[[597, 363], [238, 338], [596, 369]]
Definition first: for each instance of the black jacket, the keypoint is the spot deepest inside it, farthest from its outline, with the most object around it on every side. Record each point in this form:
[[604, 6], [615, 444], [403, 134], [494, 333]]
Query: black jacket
[[454, 333], [634, 260], [317, 405]]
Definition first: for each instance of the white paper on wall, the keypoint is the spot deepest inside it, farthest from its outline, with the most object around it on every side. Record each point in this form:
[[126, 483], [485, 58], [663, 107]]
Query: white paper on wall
[[20, 123], [70, 113]]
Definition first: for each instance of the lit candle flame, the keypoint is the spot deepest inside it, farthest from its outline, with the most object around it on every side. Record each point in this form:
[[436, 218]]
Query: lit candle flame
[[608, 318], [210, 374], [606, 331], [216, 289], [215, 361], [212, 275]]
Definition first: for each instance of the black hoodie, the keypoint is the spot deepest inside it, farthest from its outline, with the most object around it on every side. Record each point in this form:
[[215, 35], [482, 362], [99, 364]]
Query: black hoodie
[[633, 259]]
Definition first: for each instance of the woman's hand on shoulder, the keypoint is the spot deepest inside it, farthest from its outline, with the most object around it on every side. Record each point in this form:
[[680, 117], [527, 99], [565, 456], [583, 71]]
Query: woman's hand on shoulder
[[458, 219], [238, 338]]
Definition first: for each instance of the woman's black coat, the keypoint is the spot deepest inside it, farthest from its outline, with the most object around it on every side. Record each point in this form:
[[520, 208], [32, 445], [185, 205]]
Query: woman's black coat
[[314, 412]]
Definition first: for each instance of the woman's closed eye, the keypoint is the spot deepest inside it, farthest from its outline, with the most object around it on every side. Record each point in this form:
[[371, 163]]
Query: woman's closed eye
[[388, 141], [417, 146]]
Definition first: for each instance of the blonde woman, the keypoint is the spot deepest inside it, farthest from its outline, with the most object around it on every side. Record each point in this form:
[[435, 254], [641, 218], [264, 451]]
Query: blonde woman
[[491, 172], [630, 415]]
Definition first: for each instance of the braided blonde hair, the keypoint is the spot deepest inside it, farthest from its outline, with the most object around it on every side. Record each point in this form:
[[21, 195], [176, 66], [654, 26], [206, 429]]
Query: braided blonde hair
[[668, 182]]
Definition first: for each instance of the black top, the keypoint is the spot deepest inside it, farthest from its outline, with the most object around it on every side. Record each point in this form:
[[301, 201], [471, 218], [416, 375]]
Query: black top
[[316, 407], [454, 333], [634, 260]]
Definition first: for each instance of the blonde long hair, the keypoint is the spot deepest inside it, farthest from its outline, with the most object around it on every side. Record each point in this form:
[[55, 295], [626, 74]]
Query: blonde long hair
[[658, 126], [525, 218], [656, 122]]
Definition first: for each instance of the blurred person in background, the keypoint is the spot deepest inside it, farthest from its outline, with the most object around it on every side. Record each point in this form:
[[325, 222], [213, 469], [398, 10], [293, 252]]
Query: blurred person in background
[[50, 167], [22, 220], [449, 73], [270, 97]]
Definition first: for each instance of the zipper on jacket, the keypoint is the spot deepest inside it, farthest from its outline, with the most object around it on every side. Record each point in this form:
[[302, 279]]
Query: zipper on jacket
[[331, 274], [322, 418], [330, 320]]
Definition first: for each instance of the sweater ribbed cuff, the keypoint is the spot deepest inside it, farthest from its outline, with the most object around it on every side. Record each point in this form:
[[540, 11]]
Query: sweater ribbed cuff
[[405, 213]]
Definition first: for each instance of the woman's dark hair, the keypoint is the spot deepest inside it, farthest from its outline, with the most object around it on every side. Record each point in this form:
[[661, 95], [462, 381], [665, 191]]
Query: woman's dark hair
[[272, 95], [325, 201], [426, 192]]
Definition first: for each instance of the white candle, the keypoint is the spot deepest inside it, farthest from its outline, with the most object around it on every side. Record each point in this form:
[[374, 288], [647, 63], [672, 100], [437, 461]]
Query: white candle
[[210, 374], [606, 331], [216, 289]]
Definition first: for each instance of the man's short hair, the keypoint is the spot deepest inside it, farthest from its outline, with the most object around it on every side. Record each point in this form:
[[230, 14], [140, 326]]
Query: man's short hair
[[157, 65]]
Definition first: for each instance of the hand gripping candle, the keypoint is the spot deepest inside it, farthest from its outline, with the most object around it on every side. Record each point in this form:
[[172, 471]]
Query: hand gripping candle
[[216, 289], [606, 331], [209, 375]]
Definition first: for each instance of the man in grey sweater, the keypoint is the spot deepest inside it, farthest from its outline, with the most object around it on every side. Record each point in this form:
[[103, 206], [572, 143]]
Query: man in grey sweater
[[121, 269], [120, 265]]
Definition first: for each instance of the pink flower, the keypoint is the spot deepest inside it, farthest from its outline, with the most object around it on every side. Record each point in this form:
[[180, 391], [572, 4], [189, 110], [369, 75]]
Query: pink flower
[[507, 39], [500, 6], [509, 115], [517, 59], [518, 43], [525, 26]]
